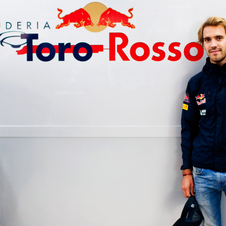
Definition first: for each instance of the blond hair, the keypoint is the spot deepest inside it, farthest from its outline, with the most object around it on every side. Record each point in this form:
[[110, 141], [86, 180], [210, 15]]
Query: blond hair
[[211, 21]]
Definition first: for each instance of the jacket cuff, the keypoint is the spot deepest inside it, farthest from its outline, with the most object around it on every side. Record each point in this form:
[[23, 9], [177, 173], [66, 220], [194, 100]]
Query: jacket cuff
[[183, 167]]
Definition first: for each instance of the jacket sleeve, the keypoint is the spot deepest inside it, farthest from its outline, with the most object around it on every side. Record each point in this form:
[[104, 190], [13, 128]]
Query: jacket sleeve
[[189, 127]]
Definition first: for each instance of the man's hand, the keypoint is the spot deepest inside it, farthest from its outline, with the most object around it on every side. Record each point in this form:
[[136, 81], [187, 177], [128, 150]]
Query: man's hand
[[187, 184]]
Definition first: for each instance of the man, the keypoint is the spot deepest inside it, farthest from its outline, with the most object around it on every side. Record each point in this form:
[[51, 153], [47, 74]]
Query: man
[[204, 125]]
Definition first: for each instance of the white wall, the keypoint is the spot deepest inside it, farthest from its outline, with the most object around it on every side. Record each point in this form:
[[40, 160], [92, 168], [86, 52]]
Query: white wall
[[90, 181]]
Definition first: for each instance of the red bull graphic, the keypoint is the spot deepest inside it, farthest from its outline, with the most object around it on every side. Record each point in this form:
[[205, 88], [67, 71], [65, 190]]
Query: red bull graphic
[[110, 17], [200, 99], [95, 17], [186, 98], [79, 18]]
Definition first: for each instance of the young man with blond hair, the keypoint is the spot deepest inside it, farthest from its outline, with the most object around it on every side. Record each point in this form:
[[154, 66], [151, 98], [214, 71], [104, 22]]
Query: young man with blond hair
[[203, 125]]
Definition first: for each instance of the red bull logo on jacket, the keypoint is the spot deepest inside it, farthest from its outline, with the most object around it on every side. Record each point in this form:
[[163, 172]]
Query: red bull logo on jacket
[[200, 99], [186, 98]]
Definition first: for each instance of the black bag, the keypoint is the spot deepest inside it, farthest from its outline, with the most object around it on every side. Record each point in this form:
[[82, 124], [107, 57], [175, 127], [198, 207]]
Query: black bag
[[191, 214]]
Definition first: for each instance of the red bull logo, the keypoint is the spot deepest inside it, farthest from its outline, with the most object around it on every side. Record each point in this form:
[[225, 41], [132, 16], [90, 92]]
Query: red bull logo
[[186, 98], [110, 17], [79, 18], [95, 17], [200, 99]]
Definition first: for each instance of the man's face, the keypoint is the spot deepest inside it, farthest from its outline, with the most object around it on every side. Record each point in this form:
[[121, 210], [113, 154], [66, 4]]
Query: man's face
[[214, 42]]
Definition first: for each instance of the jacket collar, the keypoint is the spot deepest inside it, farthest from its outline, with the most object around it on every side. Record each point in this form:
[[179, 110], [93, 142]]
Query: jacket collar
[[214, 68]]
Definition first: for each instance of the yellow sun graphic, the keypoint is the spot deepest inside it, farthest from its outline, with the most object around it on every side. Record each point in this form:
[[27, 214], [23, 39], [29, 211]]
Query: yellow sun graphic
[[95, 9]]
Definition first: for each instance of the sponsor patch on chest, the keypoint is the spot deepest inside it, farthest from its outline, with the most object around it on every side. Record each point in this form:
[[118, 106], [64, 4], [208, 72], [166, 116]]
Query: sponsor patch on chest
[[202, 112], [200, 99]]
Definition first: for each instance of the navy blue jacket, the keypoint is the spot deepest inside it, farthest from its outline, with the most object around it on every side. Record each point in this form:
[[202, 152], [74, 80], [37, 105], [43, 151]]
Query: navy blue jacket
[[203, 122]]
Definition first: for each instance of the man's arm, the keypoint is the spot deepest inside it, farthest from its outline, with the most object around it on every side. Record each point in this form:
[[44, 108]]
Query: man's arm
[[187, 184], [189, 130]]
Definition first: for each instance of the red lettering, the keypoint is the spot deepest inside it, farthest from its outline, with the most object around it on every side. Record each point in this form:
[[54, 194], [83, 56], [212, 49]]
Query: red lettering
[[120, 47], [135, 47], [199, 54], [159, 51], [174, 51]]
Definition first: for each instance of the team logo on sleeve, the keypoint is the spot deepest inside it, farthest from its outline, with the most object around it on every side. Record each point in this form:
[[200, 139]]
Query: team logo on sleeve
[[186, 98], [200, 99]]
